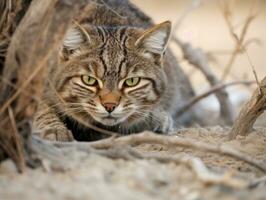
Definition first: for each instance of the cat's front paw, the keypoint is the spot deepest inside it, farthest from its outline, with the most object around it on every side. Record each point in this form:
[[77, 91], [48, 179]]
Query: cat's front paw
[[166, 126], [53, 134]]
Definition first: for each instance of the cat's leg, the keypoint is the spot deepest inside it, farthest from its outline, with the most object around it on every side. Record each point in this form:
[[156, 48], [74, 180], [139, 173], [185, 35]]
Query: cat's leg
[[163, 122], [47, 125]]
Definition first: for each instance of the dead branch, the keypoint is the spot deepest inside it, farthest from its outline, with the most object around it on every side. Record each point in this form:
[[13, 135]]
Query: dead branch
[[169, 141], [36, 40], [250, 112], [197, 58], [214, 89]]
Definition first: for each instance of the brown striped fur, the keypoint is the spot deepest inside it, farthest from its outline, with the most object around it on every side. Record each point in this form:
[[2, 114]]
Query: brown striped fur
[[111, 48]]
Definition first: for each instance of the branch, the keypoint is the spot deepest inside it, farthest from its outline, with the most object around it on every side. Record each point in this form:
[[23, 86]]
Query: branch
[[250, 112], [212, 90]]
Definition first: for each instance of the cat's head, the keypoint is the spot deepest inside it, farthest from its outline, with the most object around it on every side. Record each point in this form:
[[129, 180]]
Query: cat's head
[[112, 74]]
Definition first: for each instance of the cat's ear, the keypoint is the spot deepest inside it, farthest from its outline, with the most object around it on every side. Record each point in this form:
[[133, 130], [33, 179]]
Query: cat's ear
[[75, 37], [154, 40]]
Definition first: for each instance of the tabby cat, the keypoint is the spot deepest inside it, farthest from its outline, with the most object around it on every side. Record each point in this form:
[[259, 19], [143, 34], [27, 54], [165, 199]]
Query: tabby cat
[[112, 74]]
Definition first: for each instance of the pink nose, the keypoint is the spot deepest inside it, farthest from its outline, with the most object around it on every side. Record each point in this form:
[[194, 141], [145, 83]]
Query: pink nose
[[109, 107]]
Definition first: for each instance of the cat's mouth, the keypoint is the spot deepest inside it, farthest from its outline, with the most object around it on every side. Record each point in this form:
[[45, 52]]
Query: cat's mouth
[[110, 120]]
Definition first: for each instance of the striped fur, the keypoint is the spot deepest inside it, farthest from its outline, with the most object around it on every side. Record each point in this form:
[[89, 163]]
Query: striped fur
[[111, 54]]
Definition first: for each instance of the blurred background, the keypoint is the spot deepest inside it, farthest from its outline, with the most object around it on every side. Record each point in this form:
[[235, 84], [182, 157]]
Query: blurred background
[[205, 27]]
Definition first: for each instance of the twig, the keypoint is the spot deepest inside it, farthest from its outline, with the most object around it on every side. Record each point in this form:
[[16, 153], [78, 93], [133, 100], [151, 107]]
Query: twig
[[253, 69], [169, 141], [112, 10], [212, 90]]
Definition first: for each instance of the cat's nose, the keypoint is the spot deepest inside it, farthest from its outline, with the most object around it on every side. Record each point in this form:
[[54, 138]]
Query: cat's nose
[[109, 99], [109, 107]]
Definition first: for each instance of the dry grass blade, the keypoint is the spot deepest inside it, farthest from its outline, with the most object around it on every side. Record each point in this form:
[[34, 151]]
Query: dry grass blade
[[17, 141], [253, 69]]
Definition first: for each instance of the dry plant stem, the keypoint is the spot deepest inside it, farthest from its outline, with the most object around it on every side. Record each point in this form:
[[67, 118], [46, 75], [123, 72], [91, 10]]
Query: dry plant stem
[[10, 152], [214, 89], [250, 112], [169, 141], [253, 69], [238, 42], [18, 145], [197, 58]]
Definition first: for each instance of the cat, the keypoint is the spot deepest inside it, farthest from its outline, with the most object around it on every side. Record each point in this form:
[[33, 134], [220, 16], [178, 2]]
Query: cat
[[115, 73]]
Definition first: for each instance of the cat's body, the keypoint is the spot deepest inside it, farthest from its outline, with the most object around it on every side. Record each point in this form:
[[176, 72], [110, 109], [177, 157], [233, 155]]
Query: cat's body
[[112, 74]]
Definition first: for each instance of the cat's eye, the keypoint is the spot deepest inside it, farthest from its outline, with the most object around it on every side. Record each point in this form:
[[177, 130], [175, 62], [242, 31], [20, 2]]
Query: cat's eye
[[131, 82], [89, 80]]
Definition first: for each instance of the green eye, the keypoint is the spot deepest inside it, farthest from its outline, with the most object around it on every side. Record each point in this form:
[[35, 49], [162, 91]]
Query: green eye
[[88, 80], [130, 82]]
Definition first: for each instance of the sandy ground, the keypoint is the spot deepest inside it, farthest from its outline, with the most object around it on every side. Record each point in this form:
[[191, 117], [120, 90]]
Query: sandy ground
[[96, 177]]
